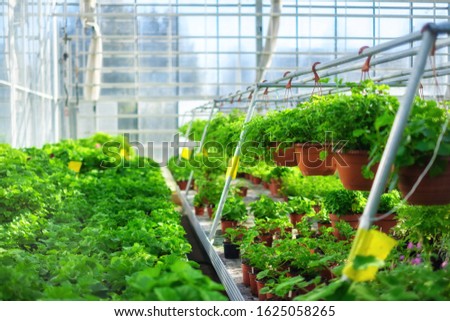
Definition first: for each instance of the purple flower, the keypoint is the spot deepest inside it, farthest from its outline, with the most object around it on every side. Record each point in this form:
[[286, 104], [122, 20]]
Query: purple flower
[[402, 257], [419, 245], [410, 246], [416, 261], [444, 264]]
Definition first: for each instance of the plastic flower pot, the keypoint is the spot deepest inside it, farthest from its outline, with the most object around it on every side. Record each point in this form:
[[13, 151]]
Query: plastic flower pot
[[274, 187], [295, 218], [210, 209], [256, 180], [349, 167], [227, 224], [230, 250], [431, 190], [283, 157], [199, 210], [386, 224], [259, 285], [245, 273], [352, 219], [242, 191], [253, 287], [309, 162]]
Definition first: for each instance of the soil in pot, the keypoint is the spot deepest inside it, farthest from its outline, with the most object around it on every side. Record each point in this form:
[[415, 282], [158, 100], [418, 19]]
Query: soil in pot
[[284, 157], [349, 167], [309, 162], [230, 250], [431, 190]]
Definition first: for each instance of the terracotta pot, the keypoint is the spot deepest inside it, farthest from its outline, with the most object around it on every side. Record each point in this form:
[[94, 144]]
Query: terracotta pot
[[309, 162], [245, 274], [267, 239], [230, 250], [210, 209], [295, 218], [259, 285], [199, 210], [352, 219], [247, 176], [242, 191], [182, 185], [256, 180], [227, 224], [253, 286], [386, 223], [431, 190], [266, 185], [349, 167], [275, 185], [283, 157]]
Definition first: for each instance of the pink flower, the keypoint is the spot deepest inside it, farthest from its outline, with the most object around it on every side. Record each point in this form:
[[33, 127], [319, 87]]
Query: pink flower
[[98, 145], [419, 245], [444, 264], [410, 246], [402, 257], [416, 261]]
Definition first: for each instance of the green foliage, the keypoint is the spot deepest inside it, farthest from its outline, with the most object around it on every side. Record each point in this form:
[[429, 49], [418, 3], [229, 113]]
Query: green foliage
[[343, 202], [264, 208], [176, 282], [234, 209], [180, 168], [196, 129], [301, 205], [312, 187], [421, 133], [68, 236]]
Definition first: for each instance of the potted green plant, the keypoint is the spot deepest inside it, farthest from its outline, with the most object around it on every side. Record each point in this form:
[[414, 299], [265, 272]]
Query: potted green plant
[[420, 137], [181, 170], [299, 207], [363, 110], [234, 212], [199, 205], [346, 205], [274, 177]]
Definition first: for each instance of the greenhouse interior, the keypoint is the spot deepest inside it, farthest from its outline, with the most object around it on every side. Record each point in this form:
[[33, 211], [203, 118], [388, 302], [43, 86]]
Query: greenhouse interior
[[206, 150]]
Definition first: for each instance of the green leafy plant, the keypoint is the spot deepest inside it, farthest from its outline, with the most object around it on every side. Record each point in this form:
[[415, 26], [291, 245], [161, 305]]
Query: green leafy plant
[[343, 202], [234, 209]]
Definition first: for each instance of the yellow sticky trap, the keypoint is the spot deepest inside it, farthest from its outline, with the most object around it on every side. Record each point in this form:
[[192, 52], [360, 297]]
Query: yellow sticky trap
[[75, 166], [124, 153], [368, 243], [186, 153], [232, 170]]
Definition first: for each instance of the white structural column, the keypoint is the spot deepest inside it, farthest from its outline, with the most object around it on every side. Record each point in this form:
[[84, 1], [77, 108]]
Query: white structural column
[[271, 40]]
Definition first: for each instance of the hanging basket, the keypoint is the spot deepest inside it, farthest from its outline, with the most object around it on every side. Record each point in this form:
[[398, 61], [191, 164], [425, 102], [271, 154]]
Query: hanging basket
[[283, 157], [431, 190], [349, 167], [309, 162]]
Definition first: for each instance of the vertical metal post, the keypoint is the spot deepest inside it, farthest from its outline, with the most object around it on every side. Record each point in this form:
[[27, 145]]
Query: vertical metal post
[[202, 141], [237, 152], [396, 133], [259, 32]]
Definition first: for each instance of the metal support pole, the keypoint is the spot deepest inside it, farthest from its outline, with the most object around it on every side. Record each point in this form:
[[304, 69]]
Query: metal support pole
[[202, 141], [237, 152], [396, 133]]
